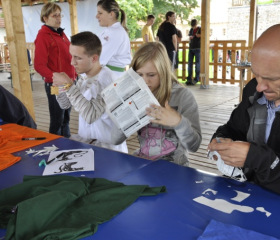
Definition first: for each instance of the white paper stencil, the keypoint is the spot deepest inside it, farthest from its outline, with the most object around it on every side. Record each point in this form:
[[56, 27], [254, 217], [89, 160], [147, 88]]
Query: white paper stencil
[[75, 160], [227, 170]]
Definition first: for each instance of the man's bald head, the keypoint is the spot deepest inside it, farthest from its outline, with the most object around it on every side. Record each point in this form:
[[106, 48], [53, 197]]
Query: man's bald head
[[265, 55], [269, 40], [265, 60]]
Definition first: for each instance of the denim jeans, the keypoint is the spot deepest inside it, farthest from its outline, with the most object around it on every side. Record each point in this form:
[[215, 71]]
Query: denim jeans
[[194, 53], [171, 55], [59, 118]]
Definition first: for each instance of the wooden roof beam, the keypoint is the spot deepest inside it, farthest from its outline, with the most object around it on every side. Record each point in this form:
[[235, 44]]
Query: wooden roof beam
[[73, 16]]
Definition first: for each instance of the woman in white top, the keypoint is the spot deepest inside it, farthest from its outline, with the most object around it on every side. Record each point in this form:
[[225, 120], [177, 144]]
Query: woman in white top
[[115, 41]]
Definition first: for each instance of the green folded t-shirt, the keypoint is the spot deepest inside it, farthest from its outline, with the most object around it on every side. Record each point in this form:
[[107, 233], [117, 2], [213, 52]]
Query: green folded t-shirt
[[64, 207]]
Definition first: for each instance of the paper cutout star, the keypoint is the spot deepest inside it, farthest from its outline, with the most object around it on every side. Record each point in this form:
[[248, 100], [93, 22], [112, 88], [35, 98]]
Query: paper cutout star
[[45, 151], [30, 151]]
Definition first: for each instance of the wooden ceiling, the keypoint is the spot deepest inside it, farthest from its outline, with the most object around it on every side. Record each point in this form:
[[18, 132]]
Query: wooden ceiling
[[34, 2], [29, 3], [25, 3]]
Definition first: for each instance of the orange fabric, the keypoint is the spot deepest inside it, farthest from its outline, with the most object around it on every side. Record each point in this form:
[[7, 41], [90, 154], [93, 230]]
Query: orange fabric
[[10, 142], [7, 160]]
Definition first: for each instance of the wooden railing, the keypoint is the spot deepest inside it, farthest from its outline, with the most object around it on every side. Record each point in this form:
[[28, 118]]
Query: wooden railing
[[222, 56], [4, 53], [31, 47]]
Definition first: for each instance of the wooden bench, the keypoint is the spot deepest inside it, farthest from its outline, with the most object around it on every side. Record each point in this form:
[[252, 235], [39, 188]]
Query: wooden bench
[[6, 67]]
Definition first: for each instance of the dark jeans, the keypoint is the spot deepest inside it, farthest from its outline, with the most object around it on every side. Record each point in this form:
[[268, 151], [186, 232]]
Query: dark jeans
[[170, 55], [59, 118], [194, 53]]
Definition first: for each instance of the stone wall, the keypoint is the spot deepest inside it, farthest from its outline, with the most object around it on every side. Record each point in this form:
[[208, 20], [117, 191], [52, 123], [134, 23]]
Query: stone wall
[[239, 17]]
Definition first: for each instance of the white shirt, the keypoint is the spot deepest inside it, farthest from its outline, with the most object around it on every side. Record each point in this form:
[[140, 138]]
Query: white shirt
[[101, 128], [85, 98], [115, 46]]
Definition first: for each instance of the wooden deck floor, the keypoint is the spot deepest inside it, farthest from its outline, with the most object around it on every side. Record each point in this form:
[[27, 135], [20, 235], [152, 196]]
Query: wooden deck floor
[[215, 106]]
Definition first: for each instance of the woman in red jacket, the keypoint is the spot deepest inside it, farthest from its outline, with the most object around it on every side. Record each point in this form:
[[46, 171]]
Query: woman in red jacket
[[52, 55]]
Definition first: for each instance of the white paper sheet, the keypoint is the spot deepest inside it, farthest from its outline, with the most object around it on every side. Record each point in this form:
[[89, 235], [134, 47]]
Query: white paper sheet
[[74, 160], [227, 170], [126, 101]]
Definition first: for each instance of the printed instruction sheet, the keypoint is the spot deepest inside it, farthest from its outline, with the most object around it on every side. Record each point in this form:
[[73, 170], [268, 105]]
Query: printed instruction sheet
[[126, 101]]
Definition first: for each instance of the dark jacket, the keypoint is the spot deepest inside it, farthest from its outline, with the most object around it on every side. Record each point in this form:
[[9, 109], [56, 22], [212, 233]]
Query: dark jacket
[[248, 123], [12, 110], [195, 42]]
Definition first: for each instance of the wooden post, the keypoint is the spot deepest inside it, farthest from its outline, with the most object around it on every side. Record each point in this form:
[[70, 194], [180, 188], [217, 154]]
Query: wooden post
[[18, 53], [252, 36], [252, 24], [73, 16], [204, 48]]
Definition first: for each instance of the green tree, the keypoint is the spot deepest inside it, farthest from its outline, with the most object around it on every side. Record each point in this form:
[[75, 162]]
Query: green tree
[[137, 10], [182, 8]]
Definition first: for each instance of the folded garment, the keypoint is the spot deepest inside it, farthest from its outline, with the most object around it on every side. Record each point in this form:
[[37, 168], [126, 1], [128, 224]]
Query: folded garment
[[11, 141], [220, 231], [64, 207], [11, 135]]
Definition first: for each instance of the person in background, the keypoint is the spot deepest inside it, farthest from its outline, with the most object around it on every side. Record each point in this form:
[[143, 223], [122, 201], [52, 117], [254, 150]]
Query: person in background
[[250, 139], [116, 53], [175, 128], [167, 34], [12, 110], [194, 51], [52, 55], [147, 33], [29, 63], [94, 124], [179, 39]]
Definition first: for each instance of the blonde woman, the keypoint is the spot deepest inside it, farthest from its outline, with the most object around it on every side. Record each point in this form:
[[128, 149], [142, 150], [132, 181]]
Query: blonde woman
[[175, 129]]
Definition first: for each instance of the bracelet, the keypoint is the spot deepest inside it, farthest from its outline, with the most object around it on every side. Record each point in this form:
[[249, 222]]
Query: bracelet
[[60, 89], [64, 88]]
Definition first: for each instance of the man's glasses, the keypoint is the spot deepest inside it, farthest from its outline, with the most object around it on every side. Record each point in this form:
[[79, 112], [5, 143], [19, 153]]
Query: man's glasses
[[57, 16]]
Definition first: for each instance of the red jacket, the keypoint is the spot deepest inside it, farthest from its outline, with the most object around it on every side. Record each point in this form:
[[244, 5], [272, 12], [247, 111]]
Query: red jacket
[[52, 54]]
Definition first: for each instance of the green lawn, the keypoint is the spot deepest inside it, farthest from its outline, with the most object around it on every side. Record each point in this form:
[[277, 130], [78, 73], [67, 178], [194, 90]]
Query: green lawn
[[180, 66]]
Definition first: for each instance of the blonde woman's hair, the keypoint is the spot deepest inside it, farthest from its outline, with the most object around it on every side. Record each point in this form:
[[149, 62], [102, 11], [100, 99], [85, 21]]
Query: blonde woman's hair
[[156, 53], [48, 9]]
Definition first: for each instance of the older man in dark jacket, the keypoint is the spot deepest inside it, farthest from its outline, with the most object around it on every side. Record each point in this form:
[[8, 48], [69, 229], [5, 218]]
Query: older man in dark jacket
[[251, 137]]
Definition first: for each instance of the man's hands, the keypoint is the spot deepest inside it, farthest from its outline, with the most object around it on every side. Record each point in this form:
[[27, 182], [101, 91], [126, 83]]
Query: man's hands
[[60, 79], [233, 153]]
